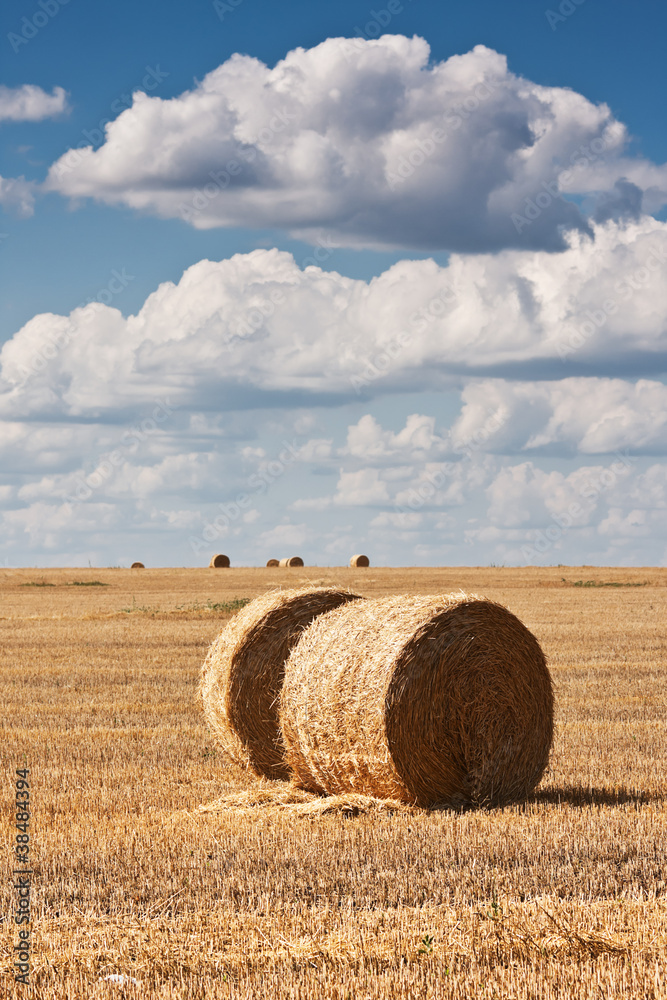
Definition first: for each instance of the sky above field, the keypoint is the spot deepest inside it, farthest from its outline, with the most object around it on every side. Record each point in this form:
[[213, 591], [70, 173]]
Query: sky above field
[[319, 278]]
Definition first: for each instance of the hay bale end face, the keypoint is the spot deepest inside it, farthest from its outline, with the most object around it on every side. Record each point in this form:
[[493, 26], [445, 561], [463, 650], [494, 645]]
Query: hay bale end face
[[358, 561], [291, 561], [422, 699], [219, 562], [137, 565], [273, 562], [243, 674]]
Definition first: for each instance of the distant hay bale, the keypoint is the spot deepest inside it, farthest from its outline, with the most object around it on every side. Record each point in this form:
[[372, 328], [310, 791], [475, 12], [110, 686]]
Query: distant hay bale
[[219, 562], [244, 670], [291, 561], [273, 562], [356, 561], [428, 700], [137, 565]]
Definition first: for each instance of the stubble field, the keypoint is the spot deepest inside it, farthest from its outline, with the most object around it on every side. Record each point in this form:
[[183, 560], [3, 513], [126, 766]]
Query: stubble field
[[563, 896]]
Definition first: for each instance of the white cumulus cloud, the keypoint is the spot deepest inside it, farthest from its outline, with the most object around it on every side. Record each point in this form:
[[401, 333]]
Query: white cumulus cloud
[[255, 331], [371, 143], [29, 103], [587, 415]]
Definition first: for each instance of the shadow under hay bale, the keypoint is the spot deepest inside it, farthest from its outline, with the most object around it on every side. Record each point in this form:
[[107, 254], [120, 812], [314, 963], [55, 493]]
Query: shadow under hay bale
[[137, 565], [273, 562], [291, 561], [359, 561], [243, 674], [428, 700], [219, 562]]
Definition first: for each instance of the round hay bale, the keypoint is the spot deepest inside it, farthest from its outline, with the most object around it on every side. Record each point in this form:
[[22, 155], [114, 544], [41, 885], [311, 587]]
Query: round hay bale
[[243, 674], [137, 565], [292, 561], [219, 562], [428, 700], [356, 561], [273, 562]]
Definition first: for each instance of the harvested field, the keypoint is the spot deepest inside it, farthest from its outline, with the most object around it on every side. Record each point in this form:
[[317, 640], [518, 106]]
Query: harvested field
[[273, 892]]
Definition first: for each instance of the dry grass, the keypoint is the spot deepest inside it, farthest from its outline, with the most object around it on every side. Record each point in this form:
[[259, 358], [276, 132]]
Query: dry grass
[[428, 700], [564, 896]]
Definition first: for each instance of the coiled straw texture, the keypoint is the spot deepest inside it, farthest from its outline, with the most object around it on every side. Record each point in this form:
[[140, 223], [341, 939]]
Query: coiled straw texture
[[428, 700], [243, 673]]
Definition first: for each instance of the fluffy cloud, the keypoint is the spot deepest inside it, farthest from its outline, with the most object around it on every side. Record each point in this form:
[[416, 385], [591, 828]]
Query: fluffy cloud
[[17, 196], [417, 441], [479, 509], [30, 103], [181, 491], [576, 416], [256, 331], [370, 143], [201, 419], [587, 415]]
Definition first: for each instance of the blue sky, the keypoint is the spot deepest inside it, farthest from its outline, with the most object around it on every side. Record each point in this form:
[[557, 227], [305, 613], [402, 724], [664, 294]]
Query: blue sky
[[508, 403], [99, 52]]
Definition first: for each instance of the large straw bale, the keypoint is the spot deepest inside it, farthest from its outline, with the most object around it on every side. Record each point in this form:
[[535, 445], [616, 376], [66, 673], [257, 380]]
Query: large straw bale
[[359, 560], [243, 674], [219, 562], [273, 562], [291, 561], [428, 700], [137, 565]]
